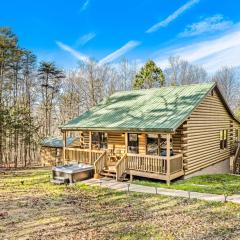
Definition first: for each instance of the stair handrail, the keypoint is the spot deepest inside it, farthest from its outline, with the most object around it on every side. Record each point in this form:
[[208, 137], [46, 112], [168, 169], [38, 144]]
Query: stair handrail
[[121, 166], [236, 156], [99, 164]]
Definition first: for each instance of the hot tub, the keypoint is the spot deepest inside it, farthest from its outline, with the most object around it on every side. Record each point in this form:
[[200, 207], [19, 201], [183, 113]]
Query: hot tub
[[72, 173]]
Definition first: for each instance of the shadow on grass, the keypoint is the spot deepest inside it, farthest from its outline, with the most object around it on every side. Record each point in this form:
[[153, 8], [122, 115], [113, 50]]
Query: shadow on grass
[[83, 212]]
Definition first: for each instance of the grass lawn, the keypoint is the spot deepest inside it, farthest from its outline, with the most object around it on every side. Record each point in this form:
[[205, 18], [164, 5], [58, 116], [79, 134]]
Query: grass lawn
[[215, 183], [33, 208]]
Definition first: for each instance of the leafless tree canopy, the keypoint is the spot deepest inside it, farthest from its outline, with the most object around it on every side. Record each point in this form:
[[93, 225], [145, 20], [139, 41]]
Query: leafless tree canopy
[[36, 98], [182, 72], [229, 85]]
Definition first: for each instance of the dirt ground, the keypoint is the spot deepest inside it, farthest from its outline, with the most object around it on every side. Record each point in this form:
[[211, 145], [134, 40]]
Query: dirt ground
[[33, 208]]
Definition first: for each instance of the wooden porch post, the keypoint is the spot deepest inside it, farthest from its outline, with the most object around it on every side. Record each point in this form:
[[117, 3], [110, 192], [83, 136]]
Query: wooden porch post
[[90, 147], [168, 158], [126, 142], [64, 146]]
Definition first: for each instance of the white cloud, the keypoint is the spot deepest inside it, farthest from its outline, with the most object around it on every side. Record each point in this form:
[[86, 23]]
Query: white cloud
[[85, 5], [208, 25], [109, 58], [228, 57], [85, 39], [73, 52], [211, 54], [173, 16], [118, 53]]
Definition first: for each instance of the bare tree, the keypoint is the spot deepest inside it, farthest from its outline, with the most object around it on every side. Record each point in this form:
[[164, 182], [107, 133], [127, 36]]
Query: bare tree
[[127, 72], [227, 81], [182, 72]]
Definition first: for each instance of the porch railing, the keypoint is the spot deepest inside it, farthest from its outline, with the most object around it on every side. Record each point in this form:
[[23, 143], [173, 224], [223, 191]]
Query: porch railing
[[100, 163], [176, 163], [129, 161], [147, 163], [154, 164], [121, 166], [82, 155]]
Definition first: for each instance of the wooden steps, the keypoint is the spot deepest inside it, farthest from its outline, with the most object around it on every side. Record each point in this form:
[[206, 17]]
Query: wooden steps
[[236, 161], [110, 171], [106, 173]]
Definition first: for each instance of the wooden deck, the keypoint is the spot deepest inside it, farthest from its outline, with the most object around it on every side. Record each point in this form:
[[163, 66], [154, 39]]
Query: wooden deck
[[149, 166]]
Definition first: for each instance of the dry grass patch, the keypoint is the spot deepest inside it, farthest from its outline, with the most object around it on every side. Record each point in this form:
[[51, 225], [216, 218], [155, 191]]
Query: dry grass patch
[[36, 209]]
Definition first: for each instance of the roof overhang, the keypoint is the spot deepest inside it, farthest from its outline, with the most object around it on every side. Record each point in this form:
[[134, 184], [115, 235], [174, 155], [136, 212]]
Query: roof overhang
[[141, 130], [156, 129]]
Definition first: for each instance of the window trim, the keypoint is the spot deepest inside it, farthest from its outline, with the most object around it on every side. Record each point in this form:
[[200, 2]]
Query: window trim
[[137, 147], [99, 141], [223, 141], [162, 140]]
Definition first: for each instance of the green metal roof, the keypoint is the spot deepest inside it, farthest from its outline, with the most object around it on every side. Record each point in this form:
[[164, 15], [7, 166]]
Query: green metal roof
[[162, 109], [56, 142]]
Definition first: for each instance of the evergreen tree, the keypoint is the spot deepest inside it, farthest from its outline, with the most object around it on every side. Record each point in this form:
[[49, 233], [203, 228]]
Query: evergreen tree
[[8, 44], [50, 77], [149, 76]]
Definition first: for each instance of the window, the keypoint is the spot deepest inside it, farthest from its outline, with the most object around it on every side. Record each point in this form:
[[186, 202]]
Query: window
[[133, 142], [163, 146], [99, 140], [157, 145], [223, 139], [152, 144]]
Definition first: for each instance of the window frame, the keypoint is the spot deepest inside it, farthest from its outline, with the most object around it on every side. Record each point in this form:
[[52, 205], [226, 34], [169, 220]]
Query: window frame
[[100, 140], [162, 145], [157, 139], [223, 139], [130, 148]]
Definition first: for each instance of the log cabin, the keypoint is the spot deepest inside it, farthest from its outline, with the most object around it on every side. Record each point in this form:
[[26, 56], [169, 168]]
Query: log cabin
[[165, 133], [51, 150]]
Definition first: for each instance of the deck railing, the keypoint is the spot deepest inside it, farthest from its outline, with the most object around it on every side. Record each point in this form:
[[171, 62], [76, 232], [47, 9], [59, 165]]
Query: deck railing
[[176, 163], [129, 161], [236, 160], [121, 166], [154, 164], [147, 163], [100, 163], [82, 155]]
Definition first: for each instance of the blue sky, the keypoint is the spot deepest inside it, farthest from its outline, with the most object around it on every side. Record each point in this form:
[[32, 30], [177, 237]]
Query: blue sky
[[206, 32]]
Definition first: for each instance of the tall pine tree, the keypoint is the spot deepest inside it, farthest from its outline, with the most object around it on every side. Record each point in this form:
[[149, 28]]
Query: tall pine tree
[[149, 76]]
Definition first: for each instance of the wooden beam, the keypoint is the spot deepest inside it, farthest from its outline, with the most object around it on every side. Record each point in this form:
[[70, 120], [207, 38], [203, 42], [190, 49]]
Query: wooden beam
[[168, 158], [126, 142], [90, 146], [64, 146]]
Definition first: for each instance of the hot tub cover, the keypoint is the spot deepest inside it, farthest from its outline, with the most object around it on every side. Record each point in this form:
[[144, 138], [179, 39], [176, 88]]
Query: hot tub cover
[[73, 168]]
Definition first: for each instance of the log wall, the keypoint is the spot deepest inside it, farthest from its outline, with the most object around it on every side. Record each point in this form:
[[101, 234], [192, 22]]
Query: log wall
[[49, 158], [142, 143], [177, 140], [201, 134], [116, 141]]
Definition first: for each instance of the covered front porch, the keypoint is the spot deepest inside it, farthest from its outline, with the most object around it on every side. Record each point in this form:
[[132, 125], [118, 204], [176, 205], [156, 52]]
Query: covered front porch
[[121, 154]]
